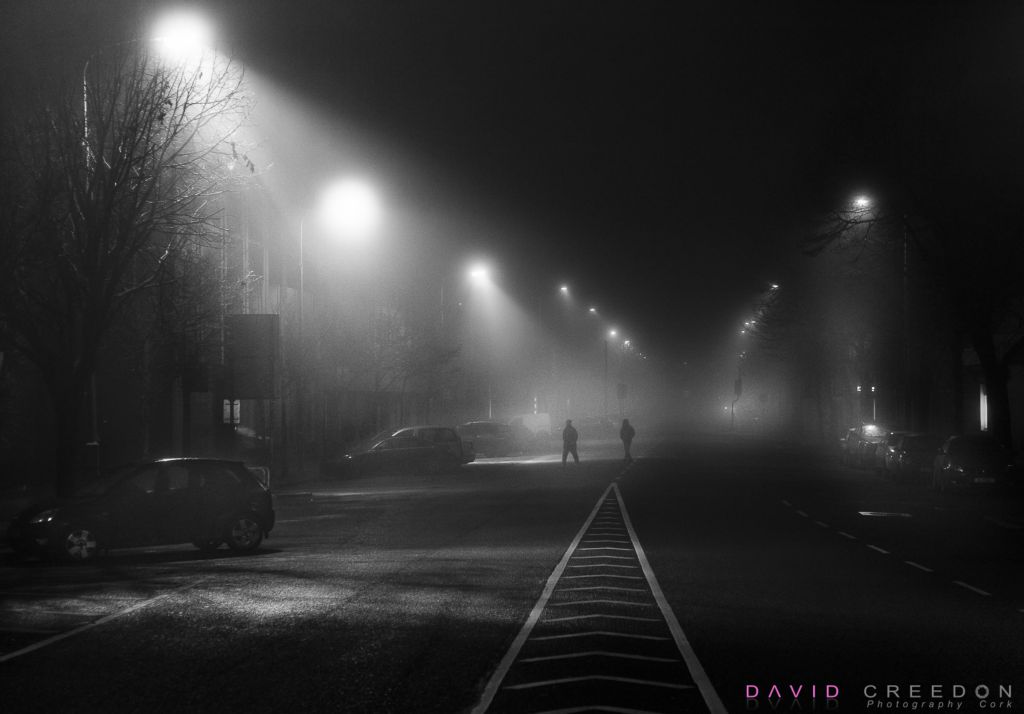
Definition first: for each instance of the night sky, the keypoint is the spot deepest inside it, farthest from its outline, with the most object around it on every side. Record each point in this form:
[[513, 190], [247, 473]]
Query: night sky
[[664, 159]]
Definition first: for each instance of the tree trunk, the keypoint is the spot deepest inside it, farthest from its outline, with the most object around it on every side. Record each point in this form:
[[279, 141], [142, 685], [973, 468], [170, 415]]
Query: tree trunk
[[67, 414]]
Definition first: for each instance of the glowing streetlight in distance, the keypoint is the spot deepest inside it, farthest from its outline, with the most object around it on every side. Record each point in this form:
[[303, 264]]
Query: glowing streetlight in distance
[[564, 289], [479, 274], [613, 333], [351, 208], [182, 35], [862, 202], [775, 286], [592, 311]]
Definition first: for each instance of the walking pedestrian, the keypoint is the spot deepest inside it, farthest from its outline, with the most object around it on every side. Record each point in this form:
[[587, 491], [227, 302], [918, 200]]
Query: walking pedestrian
[[626, 433], [569, 438]]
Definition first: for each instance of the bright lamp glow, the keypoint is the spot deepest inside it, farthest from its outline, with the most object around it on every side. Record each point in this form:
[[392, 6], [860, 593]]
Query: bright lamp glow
[[592, 311], [479, 274], [862, 202], [182, 36], [613, 333], [351, 209], [564, 289]]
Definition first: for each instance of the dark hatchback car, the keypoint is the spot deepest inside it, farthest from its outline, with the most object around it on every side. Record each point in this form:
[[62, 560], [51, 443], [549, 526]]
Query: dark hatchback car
[[914, 456], [203, 501], [972, 461], [413, 449]]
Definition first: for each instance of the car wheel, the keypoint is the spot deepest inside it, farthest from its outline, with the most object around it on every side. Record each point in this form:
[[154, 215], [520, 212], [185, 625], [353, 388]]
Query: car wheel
[[244, 534], [207, 545], [78, 545]]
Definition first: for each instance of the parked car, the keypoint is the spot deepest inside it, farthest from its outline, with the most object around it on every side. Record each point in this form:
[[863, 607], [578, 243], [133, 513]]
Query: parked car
[[204, 501], [914, 456], [414, 449], [490, 438], [885, 453], [860, 445], [972, 461]]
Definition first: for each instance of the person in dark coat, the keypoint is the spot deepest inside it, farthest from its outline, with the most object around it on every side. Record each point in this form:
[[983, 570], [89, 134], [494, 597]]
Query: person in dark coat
[[626, 433], [569, 438]]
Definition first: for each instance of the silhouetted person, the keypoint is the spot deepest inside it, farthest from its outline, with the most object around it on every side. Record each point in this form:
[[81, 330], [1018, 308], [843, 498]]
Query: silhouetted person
[[626, 433], [569, 438]]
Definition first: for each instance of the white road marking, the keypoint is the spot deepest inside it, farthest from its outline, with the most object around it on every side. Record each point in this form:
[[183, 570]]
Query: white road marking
[[531, 621], [973, 589], [599, 653], [602, 678], [605, 565], [601, 557], [802, 513], [601, 602], [844, 534], [602, 575], [604, 587], [603, 633], [912, 564], [822, 524], [608, 547], [89, 625], [575, 618], [787, 503], [878, 550], [697, 672]]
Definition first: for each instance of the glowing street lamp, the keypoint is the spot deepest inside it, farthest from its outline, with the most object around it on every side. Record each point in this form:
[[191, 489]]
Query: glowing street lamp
[[862, 203], [564, 290], [182, 36]]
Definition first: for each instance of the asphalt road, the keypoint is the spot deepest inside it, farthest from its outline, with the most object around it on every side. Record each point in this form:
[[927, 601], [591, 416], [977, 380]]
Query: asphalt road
[[710, 569]]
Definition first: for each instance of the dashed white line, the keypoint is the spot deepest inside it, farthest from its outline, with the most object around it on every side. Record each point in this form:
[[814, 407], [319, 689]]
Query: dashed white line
[[822, 524], [802, 513], [844, 534], [602, 575], [973, 589], [875, 548], [787, 503], [912, 564], [605, 565]]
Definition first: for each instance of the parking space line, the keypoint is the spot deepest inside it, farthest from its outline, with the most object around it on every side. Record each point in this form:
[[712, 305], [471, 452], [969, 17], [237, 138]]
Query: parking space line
[[102, 621], [973, 589]]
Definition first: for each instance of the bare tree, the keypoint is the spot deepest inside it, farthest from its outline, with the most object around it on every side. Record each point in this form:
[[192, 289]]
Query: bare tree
[[104, 182]]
